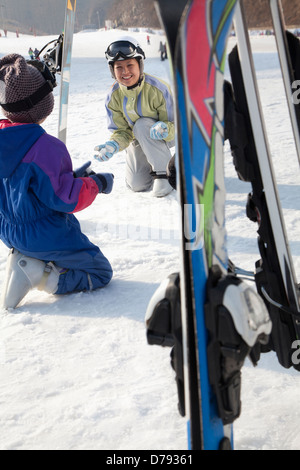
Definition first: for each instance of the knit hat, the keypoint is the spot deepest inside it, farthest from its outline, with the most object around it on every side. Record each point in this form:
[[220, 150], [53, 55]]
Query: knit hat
[[18, 82]]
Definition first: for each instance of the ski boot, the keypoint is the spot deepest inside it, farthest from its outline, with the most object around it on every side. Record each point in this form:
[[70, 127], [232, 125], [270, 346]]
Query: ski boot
[[23, 274], [164, 327], [161, 185], [237, 323]]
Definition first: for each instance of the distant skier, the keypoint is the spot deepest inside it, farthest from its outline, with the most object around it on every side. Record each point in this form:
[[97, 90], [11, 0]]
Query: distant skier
[[31, 53], [36, 54], [165, 51], [39, 193], [162, 51], [141, 118]]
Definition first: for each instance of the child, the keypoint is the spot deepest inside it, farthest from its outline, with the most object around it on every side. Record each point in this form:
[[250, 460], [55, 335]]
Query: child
[[140, 117], [39, 193]]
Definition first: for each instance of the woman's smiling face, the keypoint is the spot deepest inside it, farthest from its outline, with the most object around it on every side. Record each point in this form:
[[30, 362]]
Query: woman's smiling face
[[127, 71]]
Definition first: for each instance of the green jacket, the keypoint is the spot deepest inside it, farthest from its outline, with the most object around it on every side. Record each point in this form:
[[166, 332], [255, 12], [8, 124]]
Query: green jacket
[[153, 99]]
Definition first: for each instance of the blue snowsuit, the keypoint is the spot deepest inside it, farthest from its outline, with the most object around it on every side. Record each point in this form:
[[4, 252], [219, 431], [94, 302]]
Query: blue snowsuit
[[38, 195]]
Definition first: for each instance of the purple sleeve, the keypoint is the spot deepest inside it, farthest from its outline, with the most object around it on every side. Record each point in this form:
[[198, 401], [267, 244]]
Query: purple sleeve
[[55, 184]]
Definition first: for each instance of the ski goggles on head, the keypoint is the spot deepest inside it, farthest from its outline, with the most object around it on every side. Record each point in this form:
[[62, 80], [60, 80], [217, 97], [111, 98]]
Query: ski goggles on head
[[123, 49]]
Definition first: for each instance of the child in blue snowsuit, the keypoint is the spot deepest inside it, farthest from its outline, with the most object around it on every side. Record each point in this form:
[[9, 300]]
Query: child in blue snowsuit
[[39, 192]]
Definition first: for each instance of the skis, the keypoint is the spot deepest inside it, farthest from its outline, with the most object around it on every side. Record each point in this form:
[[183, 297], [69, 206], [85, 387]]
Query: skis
[[288, 50], [275, 277], [210, 318], [58, 60], [216, 307], [65, 69], [198, 134]]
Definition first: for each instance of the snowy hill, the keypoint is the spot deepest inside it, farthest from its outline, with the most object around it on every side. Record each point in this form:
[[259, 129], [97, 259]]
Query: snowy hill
[[76, 371]]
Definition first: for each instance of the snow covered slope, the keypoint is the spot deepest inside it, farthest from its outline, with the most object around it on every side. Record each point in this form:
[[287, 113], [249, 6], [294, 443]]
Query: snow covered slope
[[76, 371]]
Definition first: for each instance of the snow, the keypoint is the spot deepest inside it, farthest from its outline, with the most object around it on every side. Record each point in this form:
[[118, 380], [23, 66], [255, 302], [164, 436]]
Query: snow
[[76, 371]]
